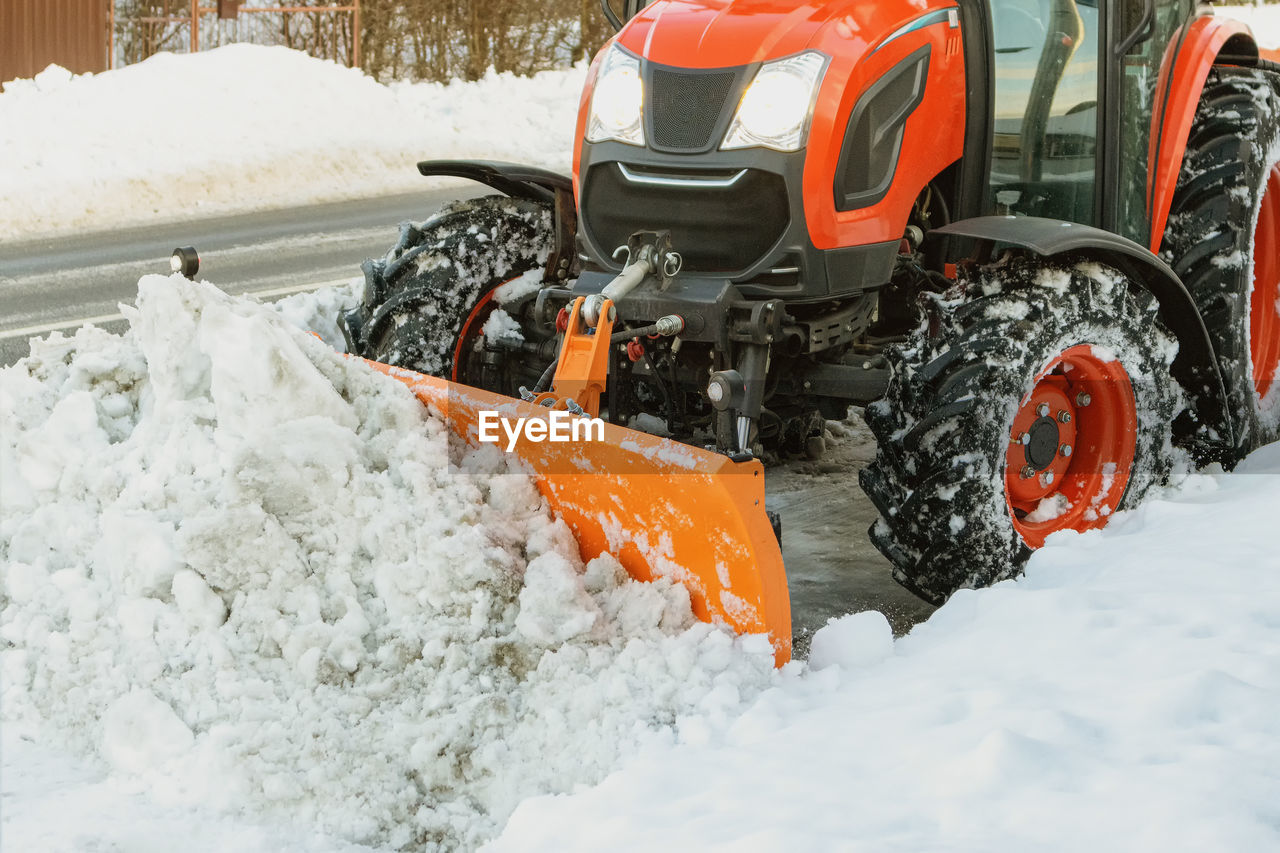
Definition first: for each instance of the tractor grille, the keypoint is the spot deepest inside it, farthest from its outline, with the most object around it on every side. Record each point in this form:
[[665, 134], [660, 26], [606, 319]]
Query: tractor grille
[[687, 106], [716, 230]]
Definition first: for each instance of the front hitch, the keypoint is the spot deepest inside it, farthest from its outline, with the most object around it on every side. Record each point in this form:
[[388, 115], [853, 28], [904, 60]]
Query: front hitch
[[648, 253]]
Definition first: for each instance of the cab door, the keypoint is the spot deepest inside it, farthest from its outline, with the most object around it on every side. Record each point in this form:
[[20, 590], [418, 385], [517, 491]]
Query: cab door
[[1045, 121]]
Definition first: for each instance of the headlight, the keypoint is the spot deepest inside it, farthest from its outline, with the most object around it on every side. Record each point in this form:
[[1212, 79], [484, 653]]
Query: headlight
[[775, 109], [617, 104]]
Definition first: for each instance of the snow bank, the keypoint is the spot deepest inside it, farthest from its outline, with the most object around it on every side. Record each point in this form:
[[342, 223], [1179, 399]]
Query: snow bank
[[246, 573], [245, 127], [1121, 696]]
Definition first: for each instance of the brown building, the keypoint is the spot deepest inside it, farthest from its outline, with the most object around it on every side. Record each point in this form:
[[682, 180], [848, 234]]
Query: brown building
[[73, 33]]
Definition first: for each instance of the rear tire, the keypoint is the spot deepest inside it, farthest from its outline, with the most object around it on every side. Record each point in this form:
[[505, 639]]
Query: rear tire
[[947, 477], [1223, 241], [425, 303]]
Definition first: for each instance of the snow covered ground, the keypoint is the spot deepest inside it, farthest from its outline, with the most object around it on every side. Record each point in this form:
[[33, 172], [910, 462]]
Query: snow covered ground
[[1122, 696], [248, 595], [244, 127]]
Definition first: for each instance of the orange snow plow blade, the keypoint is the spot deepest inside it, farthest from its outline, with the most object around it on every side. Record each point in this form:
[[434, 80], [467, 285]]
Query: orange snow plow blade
[[662, 508]]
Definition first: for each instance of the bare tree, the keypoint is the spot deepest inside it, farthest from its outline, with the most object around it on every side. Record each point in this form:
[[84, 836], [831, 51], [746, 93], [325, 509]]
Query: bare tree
[[146, 27], [421, 39]]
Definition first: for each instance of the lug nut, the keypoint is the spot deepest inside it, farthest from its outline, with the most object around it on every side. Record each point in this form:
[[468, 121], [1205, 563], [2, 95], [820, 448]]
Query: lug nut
[[1065, 450], [1027, 472], [1083, 399], [1046, 479], [1064, 417], [1022, 438], [1043, 410]]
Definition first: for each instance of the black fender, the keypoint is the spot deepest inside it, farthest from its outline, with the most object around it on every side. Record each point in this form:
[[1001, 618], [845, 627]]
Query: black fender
[[511, 179], [533, 184], [1195, 367]]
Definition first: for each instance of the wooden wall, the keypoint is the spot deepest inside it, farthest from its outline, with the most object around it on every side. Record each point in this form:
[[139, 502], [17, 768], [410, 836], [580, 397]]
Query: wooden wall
[[34, 33]]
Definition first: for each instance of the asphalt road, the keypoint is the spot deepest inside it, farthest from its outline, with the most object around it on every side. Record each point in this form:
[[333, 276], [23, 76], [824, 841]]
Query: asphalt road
[[832, 567], [62, 283], [50, 284]]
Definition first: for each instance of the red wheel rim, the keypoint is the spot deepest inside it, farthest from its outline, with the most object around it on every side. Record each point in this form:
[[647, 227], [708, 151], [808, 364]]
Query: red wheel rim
[[483, 308], [1264, 304], [1071, 446]]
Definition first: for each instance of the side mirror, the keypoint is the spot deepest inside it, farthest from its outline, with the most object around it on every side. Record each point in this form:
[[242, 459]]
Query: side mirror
[[630, 8]]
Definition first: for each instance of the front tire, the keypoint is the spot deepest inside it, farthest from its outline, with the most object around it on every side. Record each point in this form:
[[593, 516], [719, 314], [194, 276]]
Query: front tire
[[1037, 400], [1223, 241], [425, 304]]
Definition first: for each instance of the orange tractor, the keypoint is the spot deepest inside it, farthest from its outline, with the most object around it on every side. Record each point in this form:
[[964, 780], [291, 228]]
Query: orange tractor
[[1037, 240]]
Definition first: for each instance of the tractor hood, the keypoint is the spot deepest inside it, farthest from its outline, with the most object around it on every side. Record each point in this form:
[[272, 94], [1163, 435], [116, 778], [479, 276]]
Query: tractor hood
[[710, 34], [833, 185]]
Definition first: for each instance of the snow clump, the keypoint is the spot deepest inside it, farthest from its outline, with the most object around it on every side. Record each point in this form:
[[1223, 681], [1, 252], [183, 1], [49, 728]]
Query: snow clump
[[853, 642]]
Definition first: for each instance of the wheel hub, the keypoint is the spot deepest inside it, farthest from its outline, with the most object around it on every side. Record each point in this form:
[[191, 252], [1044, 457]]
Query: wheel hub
[[1044, 427], [1043, 446], [1072, 442]]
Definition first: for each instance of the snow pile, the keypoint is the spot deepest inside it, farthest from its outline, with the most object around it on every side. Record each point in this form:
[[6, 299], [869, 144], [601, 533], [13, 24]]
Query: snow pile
[[318, 310], [54, 803], [243, 570], [1123, 695], [247, 127]]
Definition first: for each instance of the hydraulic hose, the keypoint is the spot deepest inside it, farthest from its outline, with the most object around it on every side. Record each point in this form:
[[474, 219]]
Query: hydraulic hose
[[545, 380]]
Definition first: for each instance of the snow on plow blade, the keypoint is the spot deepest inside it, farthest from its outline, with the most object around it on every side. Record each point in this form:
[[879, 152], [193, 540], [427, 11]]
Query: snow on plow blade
[[662, 508]]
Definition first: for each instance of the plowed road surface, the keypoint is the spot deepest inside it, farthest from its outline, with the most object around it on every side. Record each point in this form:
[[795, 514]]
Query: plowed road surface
[[62, 282]]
